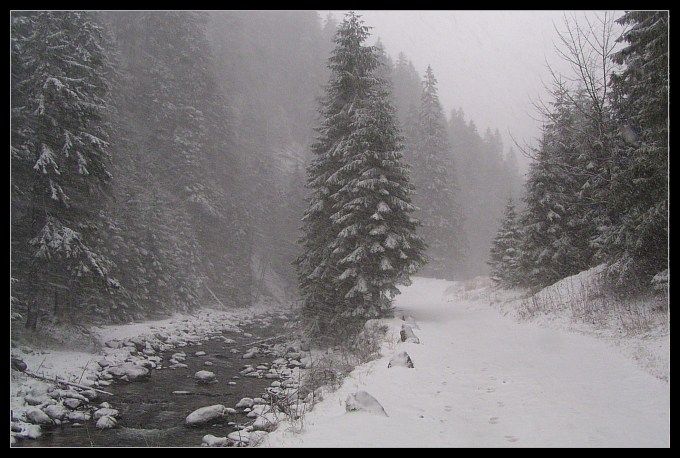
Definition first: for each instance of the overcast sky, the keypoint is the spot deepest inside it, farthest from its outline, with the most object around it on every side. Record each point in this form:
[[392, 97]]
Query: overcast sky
[[490, 63]]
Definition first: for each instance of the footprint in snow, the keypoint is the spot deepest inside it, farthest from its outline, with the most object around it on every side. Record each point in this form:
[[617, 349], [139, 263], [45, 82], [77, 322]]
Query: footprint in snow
[[511, 438], [448, 408], [500, 404], [493, 420], [490, 389]]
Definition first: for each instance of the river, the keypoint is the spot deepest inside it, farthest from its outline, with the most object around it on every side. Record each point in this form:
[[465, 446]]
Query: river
[[152, 416]]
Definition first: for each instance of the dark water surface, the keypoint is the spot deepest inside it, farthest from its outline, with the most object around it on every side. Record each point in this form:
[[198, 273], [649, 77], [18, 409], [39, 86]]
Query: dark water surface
[[151, 416]]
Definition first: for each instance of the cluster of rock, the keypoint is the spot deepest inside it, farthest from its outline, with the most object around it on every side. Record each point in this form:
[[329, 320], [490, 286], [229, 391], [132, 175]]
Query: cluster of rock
[[365, 402], [282, 400], [48, 405]]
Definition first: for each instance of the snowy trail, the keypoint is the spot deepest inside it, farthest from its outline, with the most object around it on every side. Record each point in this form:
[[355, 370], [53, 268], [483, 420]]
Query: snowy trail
[[483, 380]]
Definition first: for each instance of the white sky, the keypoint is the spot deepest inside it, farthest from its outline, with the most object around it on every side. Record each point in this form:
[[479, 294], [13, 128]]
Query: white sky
[[490, 63]]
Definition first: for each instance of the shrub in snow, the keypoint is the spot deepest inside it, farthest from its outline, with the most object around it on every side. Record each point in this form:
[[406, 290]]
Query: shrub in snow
[[266, 422]]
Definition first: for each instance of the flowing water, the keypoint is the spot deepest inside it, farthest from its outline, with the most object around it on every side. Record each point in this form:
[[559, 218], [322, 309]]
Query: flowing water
[[151, 416]]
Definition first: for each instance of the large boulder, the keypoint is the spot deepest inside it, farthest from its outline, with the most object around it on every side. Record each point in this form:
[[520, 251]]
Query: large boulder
[[205, 415], [18, 364], [106, 422], [401, 359], [56, 412], [133, 372], [364, 402], [38, 417]]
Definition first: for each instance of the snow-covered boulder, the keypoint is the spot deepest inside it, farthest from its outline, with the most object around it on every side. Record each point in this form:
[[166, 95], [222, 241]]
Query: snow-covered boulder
[[38, 417], [32, 400], [213, 441], [29, 432], [106, 422], [56, 411], [78, 417], [258, 410], [239, 437], [362, 401], [244, 402], [72, 403], [204, 376], [91, 395], [200, 353], [205, 414], [106, 412], [266, 422], [401, 359], [407, 334]]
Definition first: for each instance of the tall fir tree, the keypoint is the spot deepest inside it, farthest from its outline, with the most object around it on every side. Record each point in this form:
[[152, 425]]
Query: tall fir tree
[[505, 255], [636, 241], [436, 185], [359, 242], [59, 157]]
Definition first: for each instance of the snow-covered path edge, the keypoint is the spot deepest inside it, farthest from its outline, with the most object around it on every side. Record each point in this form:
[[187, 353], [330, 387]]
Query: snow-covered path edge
[[484, 380]]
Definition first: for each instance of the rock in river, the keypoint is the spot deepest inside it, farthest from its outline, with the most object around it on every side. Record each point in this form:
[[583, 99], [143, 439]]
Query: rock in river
[[38, 417], [205, 414], [106, 422], [212, 441], [204, 376], [133, 372], [245, 402]]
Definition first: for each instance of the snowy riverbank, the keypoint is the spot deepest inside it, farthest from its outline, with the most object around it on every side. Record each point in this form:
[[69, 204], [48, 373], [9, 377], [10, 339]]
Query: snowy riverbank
[[482, 379]]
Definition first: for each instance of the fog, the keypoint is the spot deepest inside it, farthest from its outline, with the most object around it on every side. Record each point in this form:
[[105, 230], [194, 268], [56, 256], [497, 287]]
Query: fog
[[493, 64], [306, 186]]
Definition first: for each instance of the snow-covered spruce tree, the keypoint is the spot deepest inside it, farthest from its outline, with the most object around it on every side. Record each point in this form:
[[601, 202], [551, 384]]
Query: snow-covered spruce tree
[[59, 155], [636, 242], [557, 237], [359, 241], [506, 248], [436, 188]]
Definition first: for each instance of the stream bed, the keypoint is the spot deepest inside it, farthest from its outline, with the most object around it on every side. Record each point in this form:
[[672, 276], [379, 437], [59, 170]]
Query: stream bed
[[150, 415]]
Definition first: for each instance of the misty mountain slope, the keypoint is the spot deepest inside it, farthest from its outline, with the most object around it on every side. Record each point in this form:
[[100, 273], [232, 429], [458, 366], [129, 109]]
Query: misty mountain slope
[[482, 380]]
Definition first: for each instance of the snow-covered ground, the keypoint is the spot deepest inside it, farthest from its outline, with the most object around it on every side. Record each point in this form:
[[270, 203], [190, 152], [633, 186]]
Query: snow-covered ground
[[482, 379]]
